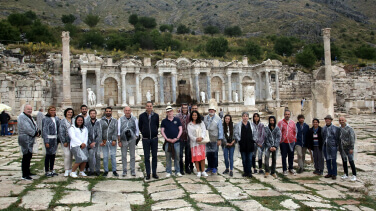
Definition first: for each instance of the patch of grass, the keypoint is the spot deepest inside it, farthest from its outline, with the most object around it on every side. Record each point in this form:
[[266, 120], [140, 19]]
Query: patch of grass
[[272, 202]]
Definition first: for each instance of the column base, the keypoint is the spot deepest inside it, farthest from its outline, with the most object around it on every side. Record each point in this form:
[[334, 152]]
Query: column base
[[99, 105], [124, 104]]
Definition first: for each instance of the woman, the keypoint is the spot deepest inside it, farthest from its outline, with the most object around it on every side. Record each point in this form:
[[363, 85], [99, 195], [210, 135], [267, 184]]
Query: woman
[[315, 143], [244, 136], [272, 138], [78, 135], [258, 137], [197, 149], [228, 144], [65, 124], [51, 125]]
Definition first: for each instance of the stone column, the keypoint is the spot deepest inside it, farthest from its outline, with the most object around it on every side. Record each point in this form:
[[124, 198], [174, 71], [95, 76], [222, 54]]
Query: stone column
[[267, 86], [123, 90], [84, 89], [209, 86], [138, 93], [67, 99], [223, 92], [98, 84], [240, 89], [328, 59], [229, 87], [259, 87], [276, 85], [156, 92], [173, 84], [197, 88], [161, 91]]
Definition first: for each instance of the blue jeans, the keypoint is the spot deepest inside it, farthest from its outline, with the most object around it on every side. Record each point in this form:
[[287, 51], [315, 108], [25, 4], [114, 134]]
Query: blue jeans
[[150, 145], [212, 159], [247, 162], [177, 158], [331, 164], [109, 149], [4, 129], [228, 154]]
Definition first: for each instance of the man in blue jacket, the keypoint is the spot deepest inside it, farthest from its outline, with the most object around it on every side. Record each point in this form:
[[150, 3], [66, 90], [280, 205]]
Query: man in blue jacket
[[301, 146], [148, 125]]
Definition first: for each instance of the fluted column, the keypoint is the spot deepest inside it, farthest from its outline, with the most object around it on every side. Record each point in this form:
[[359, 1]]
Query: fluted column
[[138, 93], [229, 87], [209, 86], [123, 90], [173, 84], [161, 91], [223, 92], [276, 85], [267, 86], [156, 99], [259, 86], [84, 89], [240, 89], [328, 59], [98, 84], [197, 88], [67, 98]]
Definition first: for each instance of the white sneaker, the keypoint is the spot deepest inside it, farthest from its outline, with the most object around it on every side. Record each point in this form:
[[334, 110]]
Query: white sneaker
[[204, 174], [292, 171], [353, 178], [70, 171], [199, 174], [66, 173], [82, 174], [285, 173], [179, 174], [344, 176], [168, 175], [73, 174]]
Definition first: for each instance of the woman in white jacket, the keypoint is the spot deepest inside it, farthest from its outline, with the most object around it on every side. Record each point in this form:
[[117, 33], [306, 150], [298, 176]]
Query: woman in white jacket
[[197, 149], [78, 134]]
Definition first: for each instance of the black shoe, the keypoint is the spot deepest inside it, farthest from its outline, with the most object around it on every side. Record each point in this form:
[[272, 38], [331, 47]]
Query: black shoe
[[32, 174], [90, 174], [115, 173], [155, 176], [48, 174], [226, 171], [244, 175], [192, 170], [97, 173], [255, 171], [300, 170], [105, 174], [182, 173], [27, 178], [231, 173], [261, 171], [250, 175], [188, 171], [148, 177]]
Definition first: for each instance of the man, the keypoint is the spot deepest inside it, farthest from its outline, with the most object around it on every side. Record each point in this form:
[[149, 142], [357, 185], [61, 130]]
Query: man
[[84, 113], [127, 136], [194, 107], [301, 146], [148, 125], [347, 143], [220, 113], [27, 131], [215, 129], [171, 130], [288, 129], [109, 137], [184, 117], [4, 119], [330, 135], [94, 139]]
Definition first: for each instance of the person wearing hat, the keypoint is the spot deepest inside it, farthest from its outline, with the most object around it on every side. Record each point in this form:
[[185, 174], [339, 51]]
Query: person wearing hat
[[330, 135], [214, 127], [171, 130]]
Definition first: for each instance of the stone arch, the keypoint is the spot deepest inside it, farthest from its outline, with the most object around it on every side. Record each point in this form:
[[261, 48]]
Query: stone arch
[[111, 90], [183, 62], [115, 77], [216, 88], [148, 83]]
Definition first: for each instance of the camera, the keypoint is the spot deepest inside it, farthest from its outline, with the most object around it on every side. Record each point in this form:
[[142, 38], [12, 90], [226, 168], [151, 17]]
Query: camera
[[128, 134]]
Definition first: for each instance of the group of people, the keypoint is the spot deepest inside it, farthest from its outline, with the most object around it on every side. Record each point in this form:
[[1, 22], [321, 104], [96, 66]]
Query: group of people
[[189, 139]]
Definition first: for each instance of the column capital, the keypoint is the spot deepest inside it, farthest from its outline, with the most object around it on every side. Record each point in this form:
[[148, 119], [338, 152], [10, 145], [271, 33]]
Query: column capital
[[196, 73], [160, 74], [123, 73], [83, 71], [228, 74]]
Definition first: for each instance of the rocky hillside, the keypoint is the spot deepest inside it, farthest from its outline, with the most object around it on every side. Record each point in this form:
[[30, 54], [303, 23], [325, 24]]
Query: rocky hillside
[[302, 18]]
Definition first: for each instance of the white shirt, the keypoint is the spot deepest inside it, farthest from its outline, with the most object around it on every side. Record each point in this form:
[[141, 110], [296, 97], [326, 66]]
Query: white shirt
[[78, 136]]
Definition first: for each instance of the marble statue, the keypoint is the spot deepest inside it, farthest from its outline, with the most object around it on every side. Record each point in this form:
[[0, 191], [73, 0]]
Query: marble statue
[[236, 96], [202, 93], [91, 97], [249, 95], [148, 96]]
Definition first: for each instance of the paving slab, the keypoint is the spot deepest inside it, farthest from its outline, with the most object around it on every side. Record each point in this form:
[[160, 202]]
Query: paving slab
[[316, 205], [196, 188], [38, 199], [280, 186], [263, 193], [249, 204], [168, 195], [207, 198], [78, 185], [305, 197], [207, 207], [290, 204], [170, 204], [159, 183], [5, 202], [155, 189], [112, 207], [231, 192], [10, 189], [119, 186], [331, 194], [75, 197]]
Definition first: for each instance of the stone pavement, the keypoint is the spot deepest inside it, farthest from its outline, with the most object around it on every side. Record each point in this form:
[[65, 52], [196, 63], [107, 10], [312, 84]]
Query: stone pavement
[[217, 192]]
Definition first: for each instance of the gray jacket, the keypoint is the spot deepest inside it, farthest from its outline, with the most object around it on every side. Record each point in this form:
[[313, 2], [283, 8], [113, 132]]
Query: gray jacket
[[109, 131], [94, 132], [347, 137], [125, 124], [63, 130], [272, 138], [27, 130], [50, 134]]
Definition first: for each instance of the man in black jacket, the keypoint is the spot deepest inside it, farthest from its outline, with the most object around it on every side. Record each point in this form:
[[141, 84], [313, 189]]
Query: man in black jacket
[[148, 125], [4, 118]]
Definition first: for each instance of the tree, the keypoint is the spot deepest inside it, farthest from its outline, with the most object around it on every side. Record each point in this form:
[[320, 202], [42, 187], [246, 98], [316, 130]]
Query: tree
[[31, 15], [253, 50], [8, 33], [283, 45], [234, 31], [91, 39], [165, 27], [118, 41], [68, 19], [147, 22], [91, 20], [19, 20], [182, 29], [217, 46], [133, 19], [365, 52], [211, 30], [307, 58], [40, 33]]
